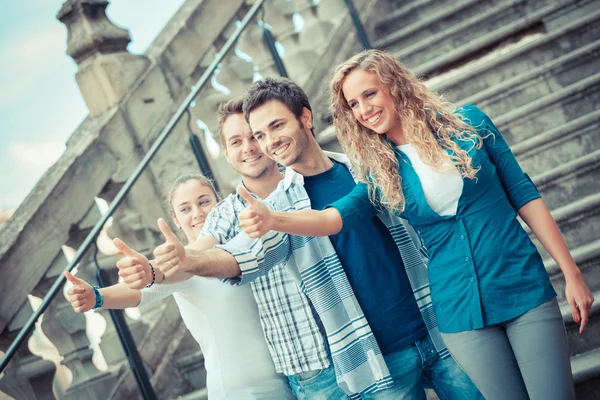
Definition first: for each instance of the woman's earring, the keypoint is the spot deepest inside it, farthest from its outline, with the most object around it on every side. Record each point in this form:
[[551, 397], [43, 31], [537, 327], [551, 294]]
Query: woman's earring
[[179, 227]]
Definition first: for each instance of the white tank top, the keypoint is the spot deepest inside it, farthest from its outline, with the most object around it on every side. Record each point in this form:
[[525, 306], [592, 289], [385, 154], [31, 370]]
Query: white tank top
[[224, 321], [442, 189]]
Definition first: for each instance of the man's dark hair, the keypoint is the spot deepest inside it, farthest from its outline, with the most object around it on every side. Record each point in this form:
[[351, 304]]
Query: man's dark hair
[[224, 111], [281, 89]]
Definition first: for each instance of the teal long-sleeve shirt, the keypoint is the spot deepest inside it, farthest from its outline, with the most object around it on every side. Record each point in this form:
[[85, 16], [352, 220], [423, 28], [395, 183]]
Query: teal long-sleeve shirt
[[483, 268]]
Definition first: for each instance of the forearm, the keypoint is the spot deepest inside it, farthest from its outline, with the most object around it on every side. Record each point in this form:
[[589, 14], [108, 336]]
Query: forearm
[[308, 222], [203, 243], [538, 217], [120, 296], [212, 263]]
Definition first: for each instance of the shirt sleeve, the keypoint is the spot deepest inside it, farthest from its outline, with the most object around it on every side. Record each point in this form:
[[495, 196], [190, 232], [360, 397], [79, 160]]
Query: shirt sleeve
[[256, 257], [221, 223], [518, 186], [160, 291], [355, 207]]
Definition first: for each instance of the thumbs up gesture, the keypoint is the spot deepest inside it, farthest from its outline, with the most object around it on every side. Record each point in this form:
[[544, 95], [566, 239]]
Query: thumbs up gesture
[[134, 268], [256, 219], [81, 295], [170, 256]]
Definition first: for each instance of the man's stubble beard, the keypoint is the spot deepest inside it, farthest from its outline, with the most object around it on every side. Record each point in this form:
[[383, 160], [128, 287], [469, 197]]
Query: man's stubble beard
[[265, 172]]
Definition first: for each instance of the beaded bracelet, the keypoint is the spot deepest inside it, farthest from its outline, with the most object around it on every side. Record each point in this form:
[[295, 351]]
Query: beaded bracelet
[[153, 276], [99, 298]]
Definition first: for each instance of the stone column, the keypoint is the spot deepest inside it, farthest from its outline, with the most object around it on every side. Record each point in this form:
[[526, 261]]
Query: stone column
[[27, 376], [106, 70], [67, 329]]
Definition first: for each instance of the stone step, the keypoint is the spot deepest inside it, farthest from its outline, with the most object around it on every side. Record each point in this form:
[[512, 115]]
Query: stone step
[[407, 13], [465, 40], [548, 112], [560, 145], [578, 221], [437, 20], [462, 36], [429, 61], [574, 180], [526, 55], [539, 82], [580, 344], [586, 374]]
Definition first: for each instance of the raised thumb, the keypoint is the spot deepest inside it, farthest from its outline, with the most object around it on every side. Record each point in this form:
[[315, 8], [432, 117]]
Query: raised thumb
[[73, 279], [166, 231], [123, 248], [245, 195]]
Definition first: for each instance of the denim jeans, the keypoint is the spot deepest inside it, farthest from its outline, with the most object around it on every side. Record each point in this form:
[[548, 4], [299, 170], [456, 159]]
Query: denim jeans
[[317, 385], [418, 366]]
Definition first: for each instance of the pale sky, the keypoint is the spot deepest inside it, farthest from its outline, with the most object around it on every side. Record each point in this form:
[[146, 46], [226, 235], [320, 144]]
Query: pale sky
[[40, 103]]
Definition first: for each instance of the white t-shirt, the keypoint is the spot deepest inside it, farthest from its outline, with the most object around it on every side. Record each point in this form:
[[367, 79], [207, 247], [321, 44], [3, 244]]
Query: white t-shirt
[[224, 321], [442, 189]]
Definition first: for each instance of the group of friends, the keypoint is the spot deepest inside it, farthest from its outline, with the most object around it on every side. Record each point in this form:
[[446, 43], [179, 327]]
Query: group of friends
[[375, 274]]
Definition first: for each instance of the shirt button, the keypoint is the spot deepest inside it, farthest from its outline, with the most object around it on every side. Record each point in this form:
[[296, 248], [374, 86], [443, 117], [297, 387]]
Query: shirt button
[[457, 218], [462, 237], [472, 279], [467, 258]]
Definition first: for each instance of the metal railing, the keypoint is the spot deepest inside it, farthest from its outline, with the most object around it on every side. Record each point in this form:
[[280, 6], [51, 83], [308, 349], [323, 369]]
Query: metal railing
[[200, 84]]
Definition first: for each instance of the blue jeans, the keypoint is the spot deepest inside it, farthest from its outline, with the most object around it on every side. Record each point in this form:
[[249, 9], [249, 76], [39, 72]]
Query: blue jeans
[[418, 366], [317, 385]]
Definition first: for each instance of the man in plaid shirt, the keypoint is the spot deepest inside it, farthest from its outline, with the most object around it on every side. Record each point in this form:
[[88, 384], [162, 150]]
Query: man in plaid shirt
[[290, 324]]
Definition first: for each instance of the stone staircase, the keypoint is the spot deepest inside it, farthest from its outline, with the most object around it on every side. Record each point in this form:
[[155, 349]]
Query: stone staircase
[[533, 66]]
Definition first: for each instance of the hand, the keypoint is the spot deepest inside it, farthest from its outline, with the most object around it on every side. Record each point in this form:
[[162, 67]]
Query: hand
[[256, 219], [170, 256], [134, 268], [580, 300], [81, 295]]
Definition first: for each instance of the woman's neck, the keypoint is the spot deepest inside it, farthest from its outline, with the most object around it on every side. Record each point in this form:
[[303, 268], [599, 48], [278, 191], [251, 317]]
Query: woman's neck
[[396, 135]]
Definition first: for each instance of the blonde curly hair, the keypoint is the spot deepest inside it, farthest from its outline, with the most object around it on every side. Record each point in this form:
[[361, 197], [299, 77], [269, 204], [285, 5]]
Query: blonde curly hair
[[428, 122]]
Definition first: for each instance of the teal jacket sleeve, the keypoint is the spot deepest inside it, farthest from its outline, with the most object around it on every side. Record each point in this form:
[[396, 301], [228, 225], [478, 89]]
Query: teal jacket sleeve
[[519, 188], [355, 207]]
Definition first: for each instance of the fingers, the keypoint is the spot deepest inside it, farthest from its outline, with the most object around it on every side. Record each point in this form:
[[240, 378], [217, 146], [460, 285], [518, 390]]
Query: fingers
[[166, 231], [127, 262], [246, 196], [584, 319], [123, 248], [75, 290], [585, 306], [574, 310], [163, 249], [251, 223], [249, 220], [82, 299], [169, 264], [134, 276], [73, 279]]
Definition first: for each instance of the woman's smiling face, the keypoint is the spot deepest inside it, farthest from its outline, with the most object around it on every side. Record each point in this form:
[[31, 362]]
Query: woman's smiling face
[[370, 102], [191, 202]]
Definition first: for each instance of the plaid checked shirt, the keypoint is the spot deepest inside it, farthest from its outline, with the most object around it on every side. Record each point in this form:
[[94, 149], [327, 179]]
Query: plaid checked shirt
[[359, 364], [294, 340]]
